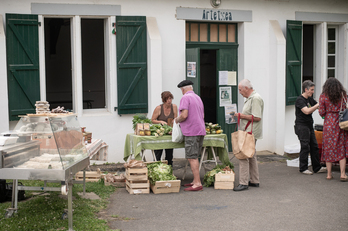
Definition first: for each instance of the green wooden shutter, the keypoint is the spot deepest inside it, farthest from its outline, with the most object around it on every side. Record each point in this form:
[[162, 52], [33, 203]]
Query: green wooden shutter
[[22, 47], [293, 61], [226, 61], [132, 90], [193, 55]]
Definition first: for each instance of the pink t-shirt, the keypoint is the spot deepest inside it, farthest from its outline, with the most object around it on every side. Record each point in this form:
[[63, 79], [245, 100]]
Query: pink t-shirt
[[194, 123]]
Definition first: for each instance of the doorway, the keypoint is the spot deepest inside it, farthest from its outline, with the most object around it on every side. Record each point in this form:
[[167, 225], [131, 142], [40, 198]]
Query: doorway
[[208, 84]]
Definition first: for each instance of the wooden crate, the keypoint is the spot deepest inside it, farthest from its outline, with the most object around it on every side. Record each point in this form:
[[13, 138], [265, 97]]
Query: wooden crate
[[91, 176], [136, 174], [224, 176], [223, 184], [224, 180], [138, 186], [171, 186]]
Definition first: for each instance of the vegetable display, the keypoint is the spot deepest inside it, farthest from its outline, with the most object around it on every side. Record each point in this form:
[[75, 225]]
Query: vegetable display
[[209, 177], [211, 128], [159, 171], [140, 118], [159, 130]]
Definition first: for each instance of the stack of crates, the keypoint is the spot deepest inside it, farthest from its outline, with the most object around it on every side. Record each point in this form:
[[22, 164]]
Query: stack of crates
[[137, 181]]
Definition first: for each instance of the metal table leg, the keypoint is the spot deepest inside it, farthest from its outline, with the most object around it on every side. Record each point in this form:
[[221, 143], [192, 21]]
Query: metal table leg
[[70, 215]]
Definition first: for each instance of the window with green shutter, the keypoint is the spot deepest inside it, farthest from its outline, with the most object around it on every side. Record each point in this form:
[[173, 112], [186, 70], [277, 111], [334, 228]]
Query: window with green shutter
[[23, 77], [293, 61], [131, 45]]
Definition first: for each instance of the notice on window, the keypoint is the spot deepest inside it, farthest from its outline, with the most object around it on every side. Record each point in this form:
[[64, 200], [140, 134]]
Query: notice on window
[[230, 114], [223, 77], [232, 78], [227, 78], [225, 96], [191, 69]]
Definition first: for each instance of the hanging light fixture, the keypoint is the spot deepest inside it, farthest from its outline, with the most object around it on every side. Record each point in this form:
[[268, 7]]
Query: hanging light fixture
[[215, 3]]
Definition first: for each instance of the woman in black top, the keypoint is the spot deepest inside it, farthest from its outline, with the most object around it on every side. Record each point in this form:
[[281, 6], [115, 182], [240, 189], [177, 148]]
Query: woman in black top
[[164, 114]]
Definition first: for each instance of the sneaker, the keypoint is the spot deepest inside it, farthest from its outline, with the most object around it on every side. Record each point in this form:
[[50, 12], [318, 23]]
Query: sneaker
[[322, 169], [307, 172]]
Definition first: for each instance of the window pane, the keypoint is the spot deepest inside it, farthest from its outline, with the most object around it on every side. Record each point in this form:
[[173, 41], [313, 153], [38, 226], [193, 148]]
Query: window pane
[[331, 48], [331, 34], [187, 32], [213, 33], [331, 73], [58, 62], [203, 33], [231, 33], [93, 64], [331, 61], [194, 32], [222, 33]]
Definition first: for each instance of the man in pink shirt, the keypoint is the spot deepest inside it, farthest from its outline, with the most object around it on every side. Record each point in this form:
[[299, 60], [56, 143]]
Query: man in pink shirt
[[192, 125]]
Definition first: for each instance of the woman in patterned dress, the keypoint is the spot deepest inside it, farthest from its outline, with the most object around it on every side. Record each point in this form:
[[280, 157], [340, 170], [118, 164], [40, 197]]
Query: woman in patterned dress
[[335, 140]]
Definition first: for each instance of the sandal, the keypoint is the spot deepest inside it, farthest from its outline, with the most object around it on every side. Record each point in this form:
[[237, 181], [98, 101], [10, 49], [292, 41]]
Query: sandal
[[343, 179], [329, 178]]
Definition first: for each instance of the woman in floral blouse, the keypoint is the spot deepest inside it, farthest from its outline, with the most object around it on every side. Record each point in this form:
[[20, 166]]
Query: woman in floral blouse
[[335, 140]]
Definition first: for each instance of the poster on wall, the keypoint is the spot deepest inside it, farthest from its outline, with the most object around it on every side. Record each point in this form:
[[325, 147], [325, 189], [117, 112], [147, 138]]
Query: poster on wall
[[231, 114], [191, 69], [225, 96]]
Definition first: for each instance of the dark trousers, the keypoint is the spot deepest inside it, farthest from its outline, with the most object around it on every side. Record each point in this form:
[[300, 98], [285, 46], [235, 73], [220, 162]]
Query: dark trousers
[[309, 144], [169, 155]]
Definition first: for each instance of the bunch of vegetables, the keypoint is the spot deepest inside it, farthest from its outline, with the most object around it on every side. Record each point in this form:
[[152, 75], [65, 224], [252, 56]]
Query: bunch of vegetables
[[209, 177], [159, 171], [211, 128], [140, 118], [160, 130]]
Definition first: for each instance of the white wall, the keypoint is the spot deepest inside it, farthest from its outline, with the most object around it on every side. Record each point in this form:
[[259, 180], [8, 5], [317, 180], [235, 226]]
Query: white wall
[[255, 61], [4, 126]]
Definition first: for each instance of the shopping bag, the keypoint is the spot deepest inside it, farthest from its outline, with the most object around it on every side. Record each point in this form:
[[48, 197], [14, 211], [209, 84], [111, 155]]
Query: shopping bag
[[343, 115], [243, 142], [177, 135]]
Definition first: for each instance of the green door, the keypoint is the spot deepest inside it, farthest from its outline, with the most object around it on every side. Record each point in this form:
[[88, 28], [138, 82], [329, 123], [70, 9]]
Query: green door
[[226, 61], [131, 52], [23, 77], [293, 61], [192, 68]]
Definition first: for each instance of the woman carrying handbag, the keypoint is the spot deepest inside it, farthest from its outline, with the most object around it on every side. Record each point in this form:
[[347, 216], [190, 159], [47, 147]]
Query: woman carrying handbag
[[335, 140]]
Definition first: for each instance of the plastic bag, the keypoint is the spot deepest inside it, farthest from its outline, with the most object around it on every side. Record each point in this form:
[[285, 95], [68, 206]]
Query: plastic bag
[[177, 135]]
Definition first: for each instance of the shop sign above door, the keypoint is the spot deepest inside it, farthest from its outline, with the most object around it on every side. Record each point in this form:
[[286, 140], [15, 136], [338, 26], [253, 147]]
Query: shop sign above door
[[220, 15]]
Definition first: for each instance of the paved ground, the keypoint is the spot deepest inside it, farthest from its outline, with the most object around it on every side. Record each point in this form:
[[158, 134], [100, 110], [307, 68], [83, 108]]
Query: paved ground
[[286, 200]]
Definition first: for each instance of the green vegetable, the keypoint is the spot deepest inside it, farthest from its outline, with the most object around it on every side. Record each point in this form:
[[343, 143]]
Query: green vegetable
[[159, 171], [209, 177]]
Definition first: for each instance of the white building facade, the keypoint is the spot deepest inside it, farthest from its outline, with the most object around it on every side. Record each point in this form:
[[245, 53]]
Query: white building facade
[[79, 65]]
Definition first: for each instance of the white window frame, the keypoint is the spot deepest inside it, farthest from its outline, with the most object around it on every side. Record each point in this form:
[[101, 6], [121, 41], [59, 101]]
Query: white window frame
[[76, 44], [336, 41]]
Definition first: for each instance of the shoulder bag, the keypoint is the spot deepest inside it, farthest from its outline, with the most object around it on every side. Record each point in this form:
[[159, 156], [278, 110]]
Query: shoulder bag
[[243, 142], [343, 115]]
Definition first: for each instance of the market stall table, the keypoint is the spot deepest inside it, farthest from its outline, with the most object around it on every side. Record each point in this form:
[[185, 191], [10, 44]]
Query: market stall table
[[135, 145]]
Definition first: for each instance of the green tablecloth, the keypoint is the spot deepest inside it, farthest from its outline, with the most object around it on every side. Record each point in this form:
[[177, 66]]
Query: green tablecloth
[[134, 144]]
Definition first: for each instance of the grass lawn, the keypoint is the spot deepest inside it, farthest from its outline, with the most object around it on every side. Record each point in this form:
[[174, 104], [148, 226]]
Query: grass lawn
[[44, 212]]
